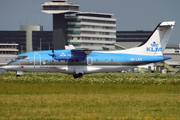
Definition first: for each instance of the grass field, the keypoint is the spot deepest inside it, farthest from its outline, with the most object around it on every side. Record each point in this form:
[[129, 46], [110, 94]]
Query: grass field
[[110, 96]]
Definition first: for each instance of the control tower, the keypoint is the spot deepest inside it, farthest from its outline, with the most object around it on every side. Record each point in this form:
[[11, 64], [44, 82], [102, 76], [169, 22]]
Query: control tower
[[59, 9]]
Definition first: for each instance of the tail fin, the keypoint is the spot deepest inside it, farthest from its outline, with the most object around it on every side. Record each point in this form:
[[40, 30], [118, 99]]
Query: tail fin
[[157, 42]]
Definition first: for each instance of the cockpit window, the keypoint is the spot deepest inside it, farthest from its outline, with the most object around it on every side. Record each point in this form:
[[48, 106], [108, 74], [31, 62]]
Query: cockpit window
[[22, 57], [25, 57]]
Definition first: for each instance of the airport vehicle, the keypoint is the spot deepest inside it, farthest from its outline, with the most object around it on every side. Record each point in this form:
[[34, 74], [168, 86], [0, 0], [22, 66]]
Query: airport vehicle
[[85, 61]]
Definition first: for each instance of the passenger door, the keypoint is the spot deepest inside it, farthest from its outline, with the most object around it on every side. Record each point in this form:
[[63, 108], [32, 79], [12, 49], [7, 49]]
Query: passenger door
[[89, 61], [37, 61]]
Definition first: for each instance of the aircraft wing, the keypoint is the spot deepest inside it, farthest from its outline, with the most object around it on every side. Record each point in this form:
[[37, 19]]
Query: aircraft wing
[[71, 54], [83, 50]]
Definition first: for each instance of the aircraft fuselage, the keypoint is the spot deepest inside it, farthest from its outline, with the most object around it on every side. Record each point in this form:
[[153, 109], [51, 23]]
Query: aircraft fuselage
[[95, 62]]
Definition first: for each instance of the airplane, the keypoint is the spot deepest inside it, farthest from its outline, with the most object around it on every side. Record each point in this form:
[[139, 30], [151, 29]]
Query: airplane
[[78, 62]]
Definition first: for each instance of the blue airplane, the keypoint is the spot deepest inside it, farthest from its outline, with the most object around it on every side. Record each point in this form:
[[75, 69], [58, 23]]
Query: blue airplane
[[85, 61]]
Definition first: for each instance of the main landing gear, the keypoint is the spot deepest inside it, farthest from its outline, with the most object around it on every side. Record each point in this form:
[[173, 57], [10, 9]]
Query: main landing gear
[[79, 75], [19, 73]]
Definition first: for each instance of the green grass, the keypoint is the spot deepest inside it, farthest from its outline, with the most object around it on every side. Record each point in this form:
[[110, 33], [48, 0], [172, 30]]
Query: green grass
[[110, 96]]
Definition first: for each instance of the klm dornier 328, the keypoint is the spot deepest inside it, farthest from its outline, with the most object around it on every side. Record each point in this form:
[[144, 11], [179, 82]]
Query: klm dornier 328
[[84, 61]]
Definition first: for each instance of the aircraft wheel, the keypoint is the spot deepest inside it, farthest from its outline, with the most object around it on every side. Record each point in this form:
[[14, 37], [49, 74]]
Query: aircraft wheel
[[17, 75], [78, 75]]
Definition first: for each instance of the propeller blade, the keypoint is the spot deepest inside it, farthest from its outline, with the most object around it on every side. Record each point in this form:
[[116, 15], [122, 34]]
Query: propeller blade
[[53, 50]]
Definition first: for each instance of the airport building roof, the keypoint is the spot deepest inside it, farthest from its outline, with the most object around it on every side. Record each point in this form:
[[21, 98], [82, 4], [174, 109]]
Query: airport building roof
[[60, 7]]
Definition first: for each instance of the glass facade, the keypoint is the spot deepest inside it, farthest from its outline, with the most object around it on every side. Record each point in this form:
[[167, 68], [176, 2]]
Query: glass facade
[[42, 40], [8, 49], [99, 27], [98, 21], [74, 26], [91, 30], [129, 39], [132, 36], [61, 7], [18, 37]]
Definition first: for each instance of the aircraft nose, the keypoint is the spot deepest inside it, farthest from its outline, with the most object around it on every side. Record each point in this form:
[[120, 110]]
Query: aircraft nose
[[10, 66], [6, 67], [2, 67]]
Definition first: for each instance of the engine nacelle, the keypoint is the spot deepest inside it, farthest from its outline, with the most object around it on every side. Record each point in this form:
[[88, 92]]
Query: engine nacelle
[[72, 55], [69, 55], [62, 56]]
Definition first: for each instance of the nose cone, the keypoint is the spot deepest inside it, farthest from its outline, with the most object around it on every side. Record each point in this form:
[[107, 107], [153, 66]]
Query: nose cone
[[2, 67], [6, 67], [11, 66]]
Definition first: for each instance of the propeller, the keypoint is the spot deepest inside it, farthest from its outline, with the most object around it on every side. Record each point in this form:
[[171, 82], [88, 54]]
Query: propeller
[[53, 55], [53, 50]]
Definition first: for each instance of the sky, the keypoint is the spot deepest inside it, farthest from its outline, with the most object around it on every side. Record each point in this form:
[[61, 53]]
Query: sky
[[130, 15]]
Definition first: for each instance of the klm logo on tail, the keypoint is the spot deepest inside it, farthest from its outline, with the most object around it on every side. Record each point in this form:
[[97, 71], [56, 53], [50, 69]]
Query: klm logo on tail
[[154, 48]]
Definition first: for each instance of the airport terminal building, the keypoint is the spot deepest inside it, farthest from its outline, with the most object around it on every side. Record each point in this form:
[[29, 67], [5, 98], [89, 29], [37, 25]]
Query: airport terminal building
[[92, 30], [81, 29], [130, 39], [28, 39]]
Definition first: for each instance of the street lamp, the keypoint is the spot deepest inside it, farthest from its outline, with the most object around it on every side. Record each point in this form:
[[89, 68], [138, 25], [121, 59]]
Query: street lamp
[[21, 49], [40, 43]]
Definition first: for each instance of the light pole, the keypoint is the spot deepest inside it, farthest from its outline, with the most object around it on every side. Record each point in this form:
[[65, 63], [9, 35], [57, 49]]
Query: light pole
[[21, 49], [40, 43]]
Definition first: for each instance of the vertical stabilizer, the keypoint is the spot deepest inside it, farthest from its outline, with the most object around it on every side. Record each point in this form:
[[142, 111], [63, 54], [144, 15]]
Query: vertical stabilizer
[[157, 42]]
